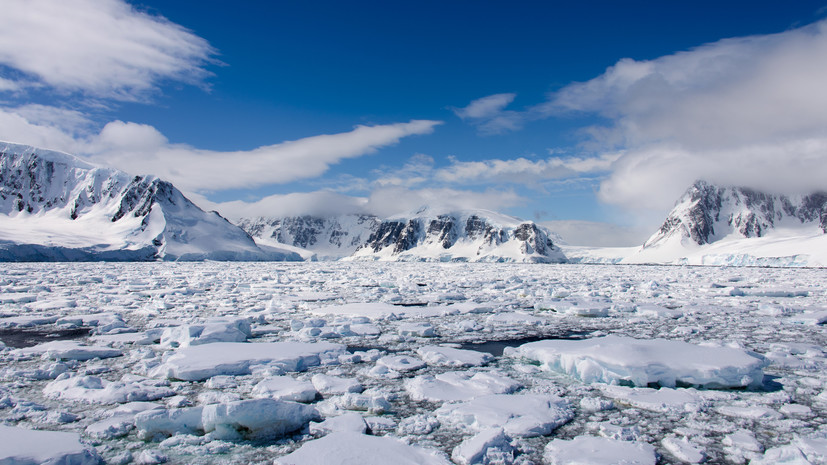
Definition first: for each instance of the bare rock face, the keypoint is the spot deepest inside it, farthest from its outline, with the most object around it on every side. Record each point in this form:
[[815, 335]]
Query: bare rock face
[[707, 213]]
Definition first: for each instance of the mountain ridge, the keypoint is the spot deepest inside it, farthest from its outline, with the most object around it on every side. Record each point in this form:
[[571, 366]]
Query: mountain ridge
[[55, 206]]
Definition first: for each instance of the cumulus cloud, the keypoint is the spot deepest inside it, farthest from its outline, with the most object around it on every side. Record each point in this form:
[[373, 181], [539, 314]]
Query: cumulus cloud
[[382, 202], [742, 111], [102, 48]]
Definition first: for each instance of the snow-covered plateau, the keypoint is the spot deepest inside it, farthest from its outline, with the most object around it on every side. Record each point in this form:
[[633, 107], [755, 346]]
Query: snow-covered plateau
[[427, 363]]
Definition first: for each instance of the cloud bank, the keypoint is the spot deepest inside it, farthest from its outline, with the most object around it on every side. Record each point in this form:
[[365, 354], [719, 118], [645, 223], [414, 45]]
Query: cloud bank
[[382, 202], [744, 111], [100, 48], [138, 148]]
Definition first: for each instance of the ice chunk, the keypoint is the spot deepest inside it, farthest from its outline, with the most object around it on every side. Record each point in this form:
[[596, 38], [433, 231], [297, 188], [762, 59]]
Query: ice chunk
[[481, 449], [814, 317], [285, 388], [95, 389], [802, 451], [26, 320], [519, 415], [591, 450], [68, 350], [349, 447], [327, 384], [220, 329], [350, 421], [657, 400], [368, 403], [198, 363], [458, 385], [401, 363], [254, 419], [19, 446], [450, 357], [753, 412], [617, 359], [416, 329], [683, 449]]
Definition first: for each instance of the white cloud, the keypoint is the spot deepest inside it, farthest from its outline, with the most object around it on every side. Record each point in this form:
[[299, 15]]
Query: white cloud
[[103, 48], [138, 148], [321, 203], [142, 149], [744, 111], [382, 202], [489, 114], [485, 107], [523, 170]]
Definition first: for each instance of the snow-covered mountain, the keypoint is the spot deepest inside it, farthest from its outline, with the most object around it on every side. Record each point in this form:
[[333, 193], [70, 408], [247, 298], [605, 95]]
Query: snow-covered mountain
[[736, 225], [475, 236], [329, 237], [54, 206]]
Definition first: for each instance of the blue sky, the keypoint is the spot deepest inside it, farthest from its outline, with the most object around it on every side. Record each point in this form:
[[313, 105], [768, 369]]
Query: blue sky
[[591, 117]]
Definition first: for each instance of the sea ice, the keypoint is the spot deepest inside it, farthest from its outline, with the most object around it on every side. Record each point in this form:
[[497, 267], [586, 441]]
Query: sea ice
[[451, 357], [196, 363], [352, 448], [490, 446], [458, 386], [331, 385], [255, 419], [657, 400], [95, 389], [519, 415], [221, 329], [67, 350], [590, 450], [19, 446], [618, 359], [285, 388]]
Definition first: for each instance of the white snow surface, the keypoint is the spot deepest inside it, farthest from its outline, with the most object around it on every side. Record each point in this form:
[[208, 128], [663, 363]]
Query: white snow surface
[[616, 359], [19, 446], [198, 363], [585, 450], [524, 415], [345, 448]]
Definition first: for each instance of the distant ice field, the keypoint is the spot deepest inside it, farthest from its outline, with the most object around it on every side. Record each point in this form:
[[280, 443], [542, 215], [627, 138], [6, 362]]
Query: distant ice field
[[438, 363]]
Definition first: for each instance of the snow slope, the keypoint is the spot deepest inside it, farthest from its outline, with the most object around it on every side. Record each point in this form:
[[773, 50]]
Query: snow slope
[[472, 236], [54, 206], [712, 225]]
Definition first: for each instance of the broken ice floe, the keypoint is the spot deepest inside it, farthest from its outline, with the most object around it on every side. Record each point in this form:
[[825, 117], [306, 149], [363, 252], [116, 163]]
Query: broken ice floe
[[525, 415], [196, 363], [617, 360]]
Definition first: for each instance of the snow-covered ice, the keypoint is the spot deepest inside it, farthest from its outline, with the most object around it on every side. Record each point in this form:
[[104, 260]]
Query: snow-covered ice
[[20, 446], [586, 450], [348, 447], [617, 359], [384, 362]]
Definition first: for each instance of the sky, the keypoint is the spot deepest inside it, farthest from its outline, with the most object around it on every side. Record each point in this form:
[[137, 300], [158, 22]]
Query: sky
[[591, 118]]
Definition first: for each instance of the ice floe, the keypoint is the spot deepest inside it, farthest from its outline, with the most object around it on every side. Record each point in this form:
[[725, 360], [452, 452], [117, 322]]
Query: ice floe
[[349, 447], [617, 359]]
